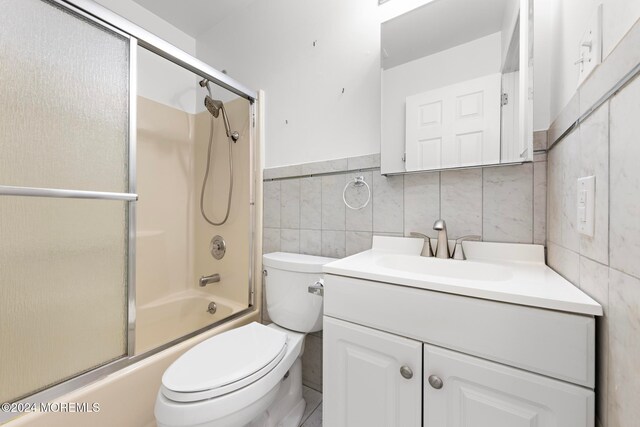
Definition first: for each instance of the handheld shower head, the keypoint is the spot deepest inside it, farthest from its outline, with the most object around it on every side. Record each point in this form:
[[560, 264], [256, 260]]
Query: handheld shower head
[[215, 106]]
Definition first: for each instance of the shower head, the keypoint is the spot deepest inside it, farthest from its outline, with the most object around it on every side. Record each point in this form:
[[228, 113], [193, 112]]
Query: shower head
[[215, 106]]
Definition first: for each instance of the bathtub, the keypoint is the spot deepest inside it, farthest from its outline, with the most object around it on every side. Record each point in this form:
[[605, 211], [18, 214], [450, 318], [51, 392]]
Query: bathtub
[[177, 315]]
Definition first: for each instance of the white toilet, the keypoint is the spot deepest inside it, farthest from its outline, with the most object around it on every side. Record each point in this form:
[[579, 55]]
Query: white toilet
[[250, 376]]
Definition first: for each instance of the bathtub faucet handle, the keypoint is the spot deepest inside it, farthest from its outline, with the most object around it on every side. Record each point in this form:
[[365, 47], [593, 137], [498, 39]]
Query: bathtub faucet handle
[[205, 280]]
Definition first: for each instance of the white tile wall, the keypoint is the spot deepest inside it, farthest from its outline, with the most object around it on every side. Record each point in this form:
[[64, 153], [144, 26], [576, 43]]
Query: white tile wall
[[311, 242], [566, 262], [271, 194], [421, 202], [624, 350], [311, 203], [333, 208], [606, 266], [333, 244], [356, 196], [290, 240], [539, 202], [461, 201], [388, 203], [358, 241], [290, 203], [594, 160], [625, 180], [507, 197]]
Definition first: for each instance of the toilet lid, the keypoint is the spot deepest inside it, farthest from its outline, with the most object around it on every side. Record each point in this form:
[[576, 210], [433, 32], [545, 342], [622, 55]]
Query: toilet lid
[[224, 363]]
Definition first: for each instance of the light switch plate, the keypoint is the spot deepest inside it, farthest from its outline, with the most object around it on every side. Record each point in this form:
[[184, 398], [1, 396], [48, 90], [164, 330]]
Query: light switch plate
[[585, 205], [590, 48]]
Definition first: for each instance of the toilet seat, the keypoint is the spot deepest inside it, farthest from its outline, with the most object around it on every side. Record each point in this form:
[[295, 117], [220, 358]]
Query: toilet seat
[[224, 363]]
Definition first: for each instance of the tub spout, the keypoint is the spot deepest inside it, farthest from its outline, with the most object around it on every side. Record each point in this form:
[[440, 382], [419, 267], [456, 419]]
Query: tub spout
[[205, 280]]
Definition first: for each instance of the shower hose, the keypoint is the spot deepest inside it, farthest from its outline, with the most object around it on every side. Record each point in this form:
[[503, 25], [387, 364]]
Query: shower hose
[[206, 177]]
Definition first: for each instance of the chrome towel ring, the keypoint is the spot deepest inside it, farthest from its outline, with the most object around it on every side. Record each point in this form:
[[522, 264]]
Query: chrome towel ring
[[358, 181]]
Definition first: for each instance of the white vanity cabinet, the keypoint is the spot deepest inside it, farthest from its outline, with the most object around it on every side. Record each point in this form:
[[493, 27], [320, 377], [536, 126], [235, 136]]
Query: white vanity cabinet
[[478, 393], [466, 361], [375, 380]]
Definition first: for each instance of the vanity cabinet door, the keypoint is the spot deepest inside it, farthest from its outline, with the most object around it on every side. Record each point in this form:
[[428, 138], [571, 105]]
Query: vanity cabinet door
[[371, 378], [462, 390]]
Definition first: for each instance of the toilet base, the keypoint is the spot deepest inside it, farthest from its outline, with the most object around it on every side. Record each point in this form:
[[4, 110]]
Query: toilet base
[[288, 407]]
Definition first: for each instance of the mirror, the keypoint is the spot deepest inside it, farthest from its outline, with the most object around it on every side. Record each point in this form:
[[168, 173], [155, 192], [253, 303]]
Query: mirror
[[457, 85]]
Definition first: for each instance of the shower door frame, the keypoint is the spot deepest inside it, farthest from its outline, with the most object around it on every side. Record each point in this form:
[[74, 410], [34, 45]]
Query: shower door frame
[[142, 38]]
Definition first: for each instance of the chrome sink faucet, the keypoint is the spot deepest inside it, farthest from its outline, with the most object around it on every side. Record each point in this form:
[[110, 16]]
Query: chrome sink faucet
[[442, 248]]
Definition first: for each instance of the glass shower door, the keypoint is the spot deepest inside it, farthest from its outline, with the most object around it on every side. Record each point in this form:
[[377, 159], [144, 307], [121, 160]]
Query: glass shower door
[[65, 195]]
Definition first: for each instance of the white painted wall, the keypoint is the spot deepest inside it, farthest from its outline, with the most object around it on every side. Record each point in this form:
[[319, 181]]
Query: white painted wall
[[159, 79], [270, 46], [569, 19], [392, 9], [464, 62]]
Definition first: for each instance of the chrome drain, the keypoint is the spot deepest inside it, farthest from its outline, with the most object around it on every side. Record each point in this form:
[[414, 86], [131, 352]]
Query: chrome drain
[[212, 308]]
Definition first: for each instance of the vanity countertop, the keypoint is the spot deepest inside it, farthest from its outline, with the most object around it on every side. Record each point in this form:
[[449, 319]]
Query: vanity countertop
[[505, 272]]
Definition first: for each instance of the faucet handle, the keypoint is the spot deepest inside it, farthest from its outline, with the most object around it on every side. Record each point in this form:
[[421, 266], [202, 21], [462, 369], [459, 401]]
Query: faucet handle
[[426, 248], [418, 235], [458, 252]]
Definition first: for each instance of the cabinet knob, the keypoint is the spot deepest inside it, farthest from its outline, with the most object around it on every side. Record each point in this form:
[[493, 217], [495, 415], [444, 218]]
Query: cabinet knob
[[435, 382], [406, 372]]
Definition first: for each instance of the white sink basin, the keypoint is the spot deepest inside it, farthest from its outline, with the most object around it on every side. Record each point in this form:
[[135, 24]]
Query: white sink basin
[[505, 272], [445, 268]]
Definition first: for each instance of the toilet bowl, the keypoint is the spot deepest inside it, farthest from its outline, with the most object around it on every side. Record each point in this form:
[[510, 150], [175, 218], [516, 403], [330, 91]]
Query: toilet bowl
[[250, 376]]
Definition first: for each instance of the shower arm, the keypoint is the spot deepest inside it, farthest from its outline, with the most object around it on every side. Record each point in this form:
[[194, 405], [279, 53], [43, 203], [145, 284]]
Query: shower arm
[[227, 127]]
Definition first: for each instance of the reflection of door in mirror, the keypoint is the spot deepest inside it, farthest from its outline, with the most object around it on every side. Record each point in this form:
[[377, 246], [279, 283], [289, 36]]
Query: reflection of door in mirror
[[511, 147], [454, 126], [456, 85]]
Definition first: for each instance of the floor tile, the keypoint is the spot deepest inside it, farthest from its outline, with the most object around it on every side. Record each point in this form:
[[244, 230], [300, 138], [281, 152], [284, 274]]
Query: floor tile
[[315, 420], [313, 399]]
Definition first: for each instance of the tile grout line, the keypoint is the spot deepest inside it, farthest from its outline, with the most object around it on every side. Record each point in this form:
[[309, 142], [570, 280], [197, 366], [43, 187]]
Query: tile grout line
[[299, 216], [321, 217], [533, 203], [608, 343], [608, 185], [402, 206], [482, 205], [344, 181]]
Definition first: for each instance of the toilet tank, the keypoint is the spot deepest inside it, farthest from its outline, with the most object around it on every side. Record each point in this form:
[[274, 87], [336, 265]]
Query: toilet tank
[[289, 303]]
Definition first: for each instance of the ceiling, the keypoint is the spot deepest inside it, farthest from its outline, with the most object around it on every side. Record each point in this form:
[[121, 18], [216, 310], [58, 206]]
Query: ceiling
[[439, 25], [194, 16]]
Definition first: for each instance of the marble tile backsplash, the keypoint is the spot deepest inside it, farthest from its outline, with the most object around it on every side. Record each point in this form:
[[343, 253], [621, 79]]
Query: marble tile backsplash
[[501, 204], [606, 265]]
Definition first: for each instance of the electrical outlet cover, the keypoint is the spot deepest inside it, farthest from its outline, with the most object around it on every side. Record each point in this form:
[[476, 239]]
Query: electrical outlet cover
[[586, 205], [590, 48]]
